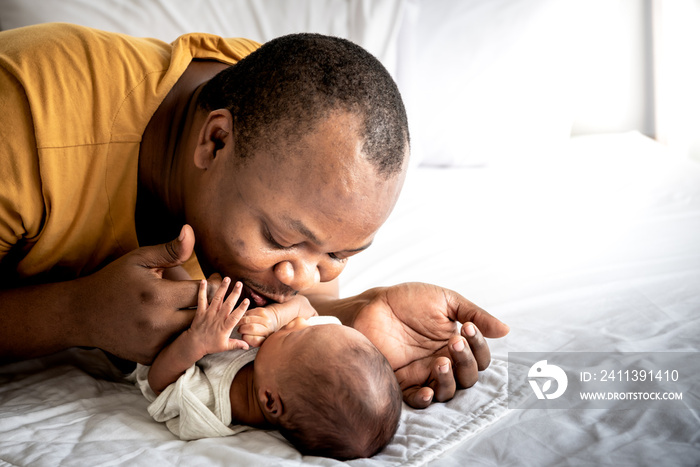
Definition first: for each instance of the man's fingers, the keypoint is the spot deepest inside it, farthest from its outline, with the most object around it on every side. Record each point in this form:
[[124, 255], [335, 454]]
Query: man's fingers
[[214, 281], [180, 294], [466, 311], [417, 397], [470, 354], [466, 370], [202, 296], [442, 381], [477, 344], [170, 254]]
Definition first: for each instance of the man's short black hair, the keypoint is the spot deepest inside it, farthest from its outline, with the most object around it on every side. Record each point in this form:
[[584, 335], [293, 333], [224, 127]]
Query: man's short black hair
[[282, 90]]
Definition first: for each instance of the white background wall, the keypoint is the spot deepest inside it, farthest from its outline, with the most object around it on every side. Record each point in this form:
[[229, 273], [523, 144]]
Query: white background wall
[[636, 63], [641, 70], [615, 71]]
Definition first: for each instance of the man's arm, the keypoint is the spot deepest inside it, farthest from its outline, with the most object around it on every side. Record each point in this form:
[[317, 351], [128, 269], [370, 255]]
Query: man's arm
[[324, 298], [39, 320], [126, 308], [323, 291]]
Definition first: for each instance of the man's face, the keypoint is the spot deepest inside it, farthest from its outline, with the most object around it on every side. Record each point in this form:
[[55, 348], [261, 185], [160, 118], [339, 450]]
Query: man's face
[[283, 220]]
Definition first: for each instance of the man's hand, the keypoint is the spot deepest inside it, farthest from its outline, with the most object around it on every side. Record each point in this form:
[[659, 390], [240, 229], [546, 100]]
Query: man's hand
[[416, 327], [128, 309], [259, 323]]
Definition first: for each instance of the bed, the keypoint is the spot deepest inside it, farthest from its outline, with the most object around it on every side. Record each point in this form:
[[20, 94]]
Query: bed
[[585, 244]]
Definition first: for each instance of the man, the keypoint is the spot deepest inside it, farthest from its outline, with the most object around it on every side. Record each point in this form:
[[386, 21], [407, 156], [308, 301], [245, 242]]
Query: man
[[283, 165]]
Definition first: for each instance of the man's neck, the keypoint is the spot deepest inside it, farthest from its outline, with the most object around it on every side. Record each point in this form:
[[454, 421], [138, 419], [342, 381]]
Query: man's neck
[[245, 408], [167, 142]]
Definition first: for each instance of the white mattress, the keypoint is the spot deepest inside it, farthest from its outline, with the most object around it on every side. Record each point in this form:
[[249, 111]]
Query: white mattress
[[596, 250]]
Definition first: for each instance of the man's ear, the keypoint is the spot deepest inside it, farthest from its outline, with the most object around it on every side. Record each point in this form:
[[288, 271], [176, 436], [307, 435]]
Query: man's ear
[[271, 404], [216, 134]]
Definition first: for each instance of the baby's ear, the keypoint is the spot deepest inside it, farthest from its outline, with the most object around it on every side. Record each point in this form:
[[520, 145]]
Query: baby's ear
[[272, 405]]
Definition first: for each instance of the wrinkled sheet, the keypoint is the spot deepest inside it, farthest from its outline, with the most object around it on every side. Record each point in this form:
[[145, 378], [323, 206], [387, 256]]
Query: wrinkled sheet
[[74, 409], [595, 250]]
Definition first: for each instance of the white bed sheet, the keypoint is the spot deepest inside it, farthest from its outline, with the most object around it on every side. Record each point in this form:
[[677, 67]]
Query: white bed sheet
[[595, 250]]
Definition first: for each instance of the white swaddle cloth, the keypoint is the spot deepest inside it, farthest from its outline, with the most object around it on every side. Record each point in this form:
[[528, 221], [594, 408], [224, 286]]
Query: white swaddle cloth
[[198, 404], [316, 320]]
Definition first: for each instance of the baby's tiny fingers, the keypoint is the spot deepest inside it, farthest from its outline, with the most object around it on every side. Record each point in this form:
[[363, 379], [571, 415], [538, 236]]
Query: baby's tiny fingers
[[254, 329], [237, 313], [220, 293], [233, 296], [237, 344], [253, 341], [254, 316]]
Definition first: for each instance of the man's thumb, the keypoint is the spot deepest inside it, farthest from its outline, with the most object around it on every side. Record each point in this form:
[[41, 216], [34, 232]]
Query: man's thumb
[[170, 254]]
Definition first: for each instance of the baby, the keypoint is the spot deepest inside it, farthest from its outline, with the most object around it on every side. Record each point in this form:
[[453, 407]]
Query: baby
[[327, 389]]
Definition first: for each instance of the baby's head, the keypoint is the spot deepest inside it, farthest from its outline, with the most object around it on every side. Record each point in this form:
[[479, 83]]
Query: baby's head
[[328, 390]]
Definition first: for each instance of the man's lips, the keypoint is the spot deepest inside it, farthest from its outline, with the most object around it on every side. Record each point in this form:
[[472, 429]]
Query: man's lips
[[259, 299], [256, 298]]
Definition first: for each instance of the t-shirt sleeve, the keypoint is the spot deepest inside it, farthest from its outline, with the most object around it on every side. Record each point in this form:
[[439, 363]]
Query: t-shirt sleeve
[[21, 202]]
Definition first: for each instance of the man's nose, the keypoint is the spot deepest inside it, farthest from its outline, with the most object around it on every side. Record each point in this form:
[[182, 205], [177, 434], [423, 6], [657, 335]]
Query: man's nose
[[298, 274], [303, 273]]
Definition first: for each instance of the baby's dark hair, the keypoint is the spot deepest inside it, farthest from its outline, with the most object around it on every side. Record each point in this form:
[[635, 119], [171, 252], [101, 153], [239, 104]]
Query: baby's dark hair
[[343, 405], [282, 90]]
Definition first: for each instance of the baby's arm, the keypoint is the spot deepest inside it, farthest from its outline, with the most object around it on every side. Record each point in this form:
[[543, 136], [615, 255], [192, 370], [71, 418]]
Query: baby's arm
[[259, 323], [209, 333]]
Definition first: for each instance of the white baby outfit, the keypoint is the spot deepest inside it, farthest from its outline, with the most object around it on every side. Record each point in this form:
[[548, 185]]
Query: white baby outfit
[[198, 404]]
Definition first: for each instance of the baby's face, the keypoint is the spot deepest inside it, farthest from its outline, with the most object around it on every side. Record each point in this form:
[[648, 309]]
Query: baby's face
[[281, 348]]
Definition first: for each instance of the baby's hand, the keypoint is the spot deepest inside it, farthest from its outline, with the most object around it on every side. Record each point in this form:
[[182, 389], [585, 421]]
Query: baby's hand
[[213, 323], [259, 323]]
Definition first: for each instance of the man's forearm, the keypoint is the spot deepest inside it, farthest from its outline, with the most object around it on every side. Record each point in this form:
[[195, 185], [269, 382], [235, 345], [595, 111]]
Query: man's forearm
[[345, 309], [38, 320], [323, 291]]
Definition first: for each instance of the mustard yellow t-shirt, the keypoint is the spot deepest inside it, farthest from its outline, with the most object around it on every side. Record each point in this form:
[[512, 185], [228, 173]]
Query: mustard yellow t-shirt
[[74, 103]]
